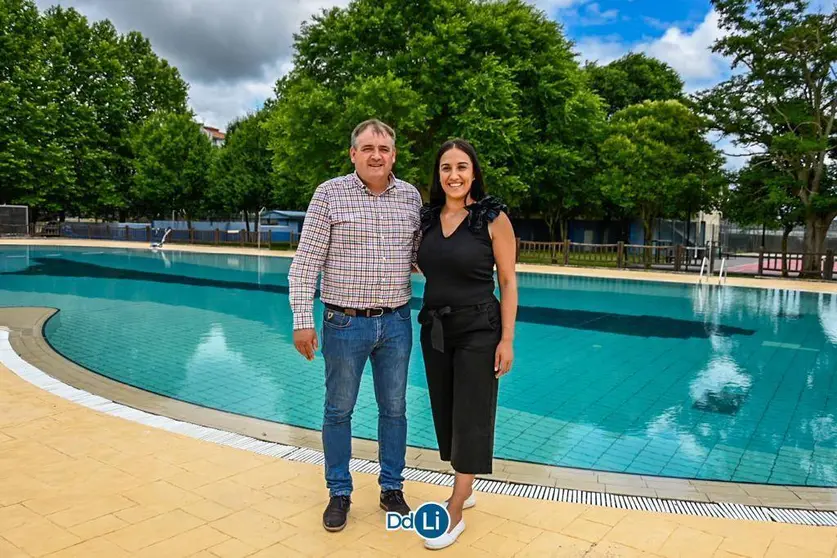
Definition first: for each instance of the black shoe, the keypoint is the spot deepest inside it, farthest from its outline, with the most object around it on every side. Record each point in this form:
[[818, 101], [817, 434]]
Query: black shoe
[[334, 516], [393, 501]]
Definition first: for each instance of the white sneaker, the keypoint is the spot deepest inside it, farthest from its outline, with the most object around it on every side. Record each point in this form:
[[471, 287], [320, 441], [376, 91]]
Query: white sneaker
[[447, 539], [470, 502]]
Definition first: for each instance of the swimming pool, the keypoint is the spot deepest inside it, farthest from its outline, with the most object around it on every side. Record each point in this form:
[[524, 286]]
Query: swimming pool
[[622, 376]]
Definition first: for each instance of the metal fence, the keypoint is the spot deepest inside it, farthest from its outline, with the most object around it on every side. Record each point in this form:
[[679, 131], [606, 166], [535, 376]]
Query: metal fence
[[749, 240], [134, 233], [619, 255]]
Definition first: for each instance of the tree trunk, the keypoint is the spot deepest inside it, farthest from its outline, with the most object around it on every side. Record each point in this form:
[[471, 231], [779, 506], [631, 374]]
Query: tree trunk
[[247, 221], [565, 225], [816, 229], [785, 235], [648, 224]]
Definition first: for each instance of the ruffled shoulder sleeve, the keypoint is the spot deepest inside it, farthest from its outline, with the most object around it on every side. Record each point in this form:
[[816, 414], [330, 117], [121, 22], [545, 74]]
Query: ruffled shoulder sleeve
[[428, 214], [484, 211]]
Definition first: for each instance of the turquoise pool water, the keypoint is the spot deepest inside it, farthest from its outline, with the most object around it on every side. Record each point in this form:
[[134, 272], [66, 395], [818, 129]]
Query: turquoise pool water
[[623, 376]]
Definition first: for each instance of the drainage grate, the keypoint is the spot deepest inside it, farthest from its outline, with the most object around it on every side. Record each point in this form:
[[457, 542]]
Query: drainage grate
[[10, 359]]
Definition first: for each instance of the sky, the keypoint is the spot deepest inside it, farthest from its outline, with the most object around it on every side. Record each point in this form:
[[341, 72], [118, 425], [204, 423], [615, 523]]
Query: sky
[[231, 52]]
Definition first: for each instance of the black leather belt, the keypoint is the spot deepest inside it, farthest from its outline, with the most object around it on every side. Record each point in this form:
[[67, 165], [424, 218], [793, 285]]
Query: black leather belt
[[366, 313]]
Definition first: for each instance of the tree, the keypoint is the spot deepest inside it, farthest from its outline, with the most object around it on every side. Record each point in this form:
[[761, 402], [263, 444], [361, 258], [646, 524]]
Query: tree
[[34, 167], [657, 162], [70, 92], [764, 195], [497, 73], [241, 177], [173, 157], [632, 79], [783, 99]]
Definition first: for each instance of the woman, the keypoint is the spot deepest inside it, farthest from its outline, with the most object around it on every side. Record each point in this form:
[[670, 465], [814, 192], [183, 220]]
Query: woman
[[466, 334]]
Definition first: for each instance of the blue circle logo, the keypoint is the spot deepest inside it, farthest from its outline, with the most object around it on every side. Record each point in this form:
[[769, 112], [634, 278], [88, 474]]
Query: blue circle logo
[[431, 520]]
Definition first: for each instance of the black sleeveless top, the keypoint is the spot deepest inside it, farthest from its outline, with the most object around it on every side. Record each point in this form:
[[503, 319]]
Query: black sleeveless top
[[459, 269]]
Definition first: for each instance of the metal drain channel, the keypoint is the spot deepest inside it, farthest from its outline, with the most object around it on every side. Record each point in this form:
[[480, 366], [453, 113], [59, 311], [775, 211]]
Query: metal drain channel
[[11, 360]]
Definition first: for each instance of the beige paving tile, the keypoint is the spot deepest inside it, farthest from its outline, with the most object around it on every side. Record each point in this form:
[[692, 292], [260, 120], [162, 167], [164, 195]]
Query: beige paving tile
[[784, 550], [605, 516], [89, 509], [283, 551], [821, 540], [642, 532], [265, 476], [517, 531], [40, 537], [392, 543], [257, 529], [189, 480], [478, 525], [283, 509], [498, 545], [555, 545], [97, 527], [161, 494], [303, 543], [231, 494], [613, 550], [586, 530], [16, 488], [94, 548], [138, 513], [232, 548], [154, 530], [747, 546], [688, 542], [15, 516], [207, 510], [8, 550], [184, 544], [557, 518]]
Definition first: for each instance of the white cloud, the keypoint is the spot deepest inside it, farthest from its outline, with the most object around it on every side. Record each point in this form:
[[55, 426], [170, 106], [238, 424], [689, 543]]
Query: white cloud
[[230, 53], [688, 53], [593, 15]]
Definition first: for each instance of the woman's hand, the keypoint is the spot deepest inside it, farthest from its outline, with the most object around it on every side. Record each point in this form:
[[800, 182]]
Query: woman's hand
[[503, 357]]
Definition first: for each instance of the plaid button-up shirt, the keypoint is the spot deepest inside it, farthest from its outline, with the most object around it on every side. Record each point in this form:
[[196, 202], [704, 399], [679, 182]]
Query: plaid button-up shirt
[[364, 245]]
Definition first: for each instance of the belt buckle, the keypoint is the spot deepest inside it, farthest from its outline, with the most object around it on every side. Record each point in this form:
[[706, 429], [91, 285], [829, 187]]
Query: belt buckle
[[380, 312]]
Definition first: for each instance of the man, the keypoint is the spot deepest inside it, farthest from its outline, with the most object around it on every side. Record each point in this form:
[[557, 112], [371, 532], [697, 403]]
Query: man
[[361, 232]]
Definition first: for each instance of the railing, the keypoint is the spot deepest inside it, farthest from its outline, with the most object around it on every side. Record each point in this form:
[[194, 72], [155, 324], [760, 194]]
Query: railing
[[793, 263], [677, 258], [619, 255]]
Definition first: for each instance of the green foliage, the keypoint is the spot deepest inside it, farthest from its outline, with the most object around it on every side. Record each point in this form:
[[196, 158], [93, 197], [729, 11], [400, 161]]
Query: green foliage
[[173, 158], [656, 162], [69, 95], [783, 98], [241, 177], [765, 196], [496, 73], [632, 79]]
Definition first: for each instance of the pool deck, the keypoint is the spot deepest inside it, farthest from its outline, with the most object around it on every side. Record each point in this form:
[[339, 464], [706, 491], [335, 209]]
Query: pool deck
[[75, 482]]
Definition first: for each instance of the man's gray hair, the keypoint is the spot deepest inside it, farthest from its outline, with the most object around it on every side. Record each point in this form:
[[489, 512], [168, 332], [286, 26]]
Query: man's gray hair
[[377, 126]]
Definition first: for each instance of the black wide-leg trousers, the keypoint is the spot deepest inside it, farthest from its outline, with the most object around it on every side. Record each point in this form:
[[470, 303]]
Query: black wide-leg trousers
[[459, 347]]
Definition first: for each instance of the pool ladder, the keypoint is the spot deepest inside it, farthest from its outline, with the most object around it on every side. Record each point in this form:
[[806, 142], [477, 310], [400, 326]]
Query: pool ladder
[[704, 271]]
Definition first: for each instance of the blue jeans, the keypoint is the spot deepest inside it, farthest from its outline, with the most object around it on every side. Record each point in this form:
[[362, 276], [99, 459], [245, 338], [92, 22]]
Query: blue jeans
[[347, 343]]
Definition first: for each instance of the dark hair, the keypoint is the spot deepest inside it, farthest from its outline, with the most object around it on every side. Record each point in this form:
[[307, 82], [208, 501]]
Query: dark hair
[[437, 194]]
